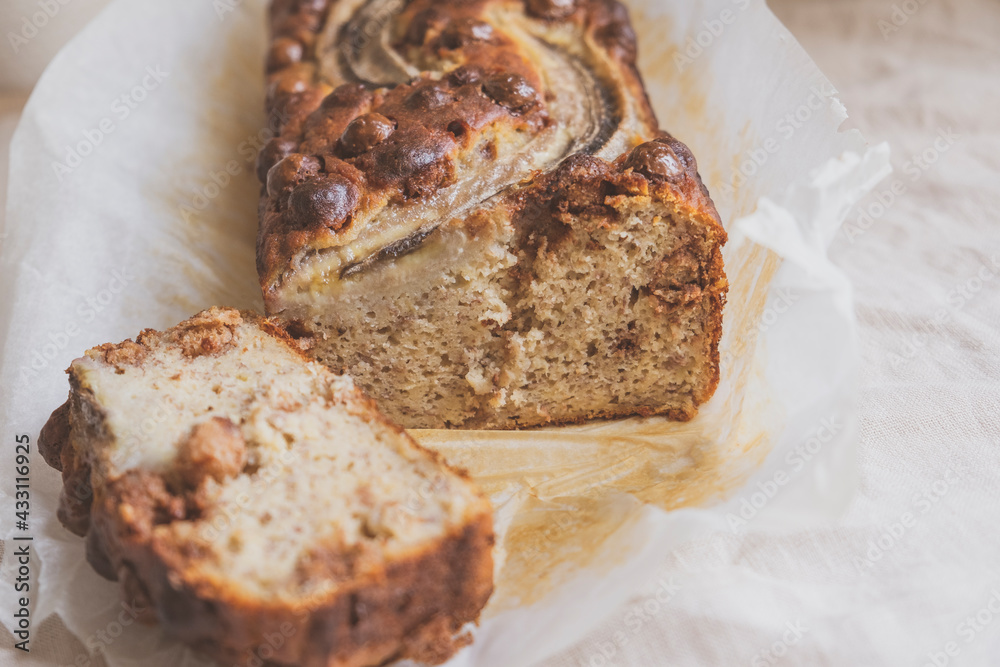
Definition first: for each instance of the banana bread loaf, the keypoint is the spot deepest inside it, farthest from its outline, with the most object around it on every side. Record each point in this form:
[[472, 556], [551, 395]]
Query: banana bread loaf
[[470, 206], [240, 493]]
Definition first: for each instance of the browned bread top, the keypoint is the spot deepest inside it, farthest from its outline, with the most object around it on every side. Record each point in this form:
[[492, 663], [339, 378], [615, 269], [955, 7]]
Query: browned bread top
[[389, 118]]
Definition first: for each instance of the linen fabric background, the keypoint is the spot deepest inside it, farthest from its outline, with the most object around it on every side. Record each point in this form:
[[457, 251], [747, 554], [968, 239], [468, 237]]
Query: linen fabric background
[[909, 575]]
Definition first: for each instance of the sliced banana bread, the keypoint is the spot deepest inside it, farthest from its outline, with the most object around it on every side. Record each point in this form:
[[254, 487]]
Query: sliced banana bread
[[475, 200], [240, 493]]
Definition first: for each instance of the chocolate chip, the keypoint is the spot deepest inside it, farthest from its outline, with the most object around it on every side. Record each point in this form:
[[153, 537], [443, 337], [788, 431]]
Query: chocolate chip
[[510, 90], [657, 160], [414, 159], [550, 9], [427, 98], [337, 167], [290, 171], [284, 52], [289, 81], [301, 20], [324, 202], [273, 152], [466, 31], [346, 95], [465, 75], [425, 182], [287, 113], [682, 152], [615, 33], [365, 132]]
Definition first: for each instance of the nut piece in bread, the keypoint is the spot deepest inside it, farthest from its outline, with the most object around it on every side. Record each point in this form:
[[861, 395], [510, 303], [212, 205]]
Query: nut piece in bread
[[475, 200], [239, 491]]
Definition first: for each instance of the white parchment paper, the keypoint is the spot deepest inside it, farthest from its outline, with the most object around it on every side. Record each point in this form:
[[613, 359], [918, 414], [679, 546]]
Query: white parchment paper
[[132, 204]]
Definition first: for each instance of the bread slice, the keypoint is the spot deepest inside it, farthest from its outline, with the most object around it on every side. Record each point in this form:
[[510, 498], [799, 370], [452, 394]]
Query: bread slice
[[472, 208], [256, 504]]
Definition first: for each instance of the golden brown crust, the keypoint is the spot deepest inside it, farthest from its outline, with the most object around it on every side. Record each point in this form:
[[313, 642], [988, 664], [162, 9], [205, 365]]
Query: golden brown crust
[[126, 353], [210, 332], [414, 606], [663, 169], [76, 497], [343, 154]]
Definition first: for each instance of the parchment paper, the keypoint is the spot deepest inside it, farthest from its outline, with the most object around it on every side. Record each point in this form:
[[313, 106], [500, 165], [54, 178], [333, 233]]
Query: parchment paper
[[133, 204]]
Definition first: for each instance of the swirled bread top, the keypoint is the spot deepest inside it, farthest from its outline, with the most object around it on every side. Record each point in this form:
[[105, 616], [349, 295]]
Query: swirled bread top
[[392, 117]]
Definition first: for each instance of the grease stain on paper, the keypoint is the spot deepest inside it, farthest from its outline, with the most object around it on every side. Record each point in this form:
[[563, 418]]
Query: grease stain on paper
[[564, 493]]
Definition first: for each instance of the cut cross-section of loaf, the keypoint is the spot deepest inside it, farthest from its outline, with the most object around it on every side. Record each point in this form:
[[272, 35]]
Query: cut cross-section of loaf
[[471, 207], [240, 492]]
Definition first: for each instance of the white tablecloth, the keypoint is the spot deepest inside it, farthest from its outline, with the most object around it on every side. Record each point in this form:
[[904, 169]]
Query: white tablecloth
[[911, 575]]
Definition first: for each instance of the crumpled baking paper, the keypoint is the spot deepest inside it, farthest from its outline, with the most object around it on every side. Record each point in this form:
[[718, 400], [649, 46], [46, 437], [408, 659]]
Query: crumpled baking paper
[[133, 204]]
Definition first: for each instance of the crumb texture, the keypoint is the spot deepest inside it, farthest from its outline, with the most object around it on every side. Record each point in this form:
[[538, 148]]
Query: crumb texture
[[471, 207], [239, 489]]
